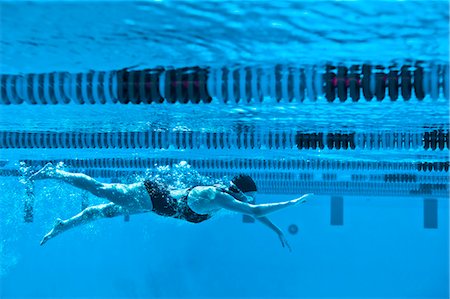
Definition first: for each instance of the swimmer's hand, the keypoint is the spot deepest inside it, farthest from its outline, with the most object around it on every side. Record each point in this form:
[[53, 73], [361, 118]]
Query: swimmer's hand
[[46, 172], [301, 199], [284, 242]]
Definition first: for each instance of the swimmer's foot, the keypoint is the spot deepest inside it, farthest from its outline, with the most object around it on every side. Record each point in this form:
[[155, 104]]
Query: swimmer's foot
[[57, 228], [46, 172]]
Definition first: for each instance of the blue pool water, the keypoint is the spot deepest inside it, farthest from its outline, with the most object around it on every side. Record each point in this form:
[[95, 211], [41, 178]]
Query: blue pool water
[[378, 225]]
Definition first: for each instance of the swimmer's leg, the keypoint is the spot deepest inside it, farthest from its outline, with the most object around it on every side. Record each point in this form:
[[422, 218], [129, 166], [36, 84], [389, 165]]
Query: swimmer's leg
[[87, 215], [78, 180], [129, 196]]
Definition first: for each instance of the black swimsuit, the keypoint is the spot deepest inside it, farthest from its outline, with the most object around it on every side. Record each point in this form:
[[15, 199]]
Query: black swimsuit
[[165, 205]]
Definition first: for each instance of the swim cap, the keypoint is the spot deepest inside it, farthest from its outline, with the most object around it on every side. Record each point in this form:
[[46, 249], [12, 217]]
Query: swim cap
[[245, 183]]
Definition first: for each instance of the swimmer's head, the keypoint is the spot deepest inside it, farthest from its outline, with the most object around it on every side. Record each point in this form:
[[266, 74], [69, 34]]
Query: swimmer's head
[[245, 184]]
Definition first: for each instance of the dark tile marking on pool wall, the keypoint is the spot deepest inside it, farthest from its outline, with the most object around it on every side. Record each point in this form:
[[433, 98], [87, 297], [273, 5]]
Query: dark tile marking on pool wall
[[152, 82], [290, 84], [190, 83], [247, 81], [445, 80], [380, 83], [309, 140], [203, 89], [224, 84], [354, 82], [418, 83], [329, 176], [139, 86], [4, 99], [302, 86], [436, 139], [400, 178], [329, 79], [176, 84], [366, 75], [183, 84], [278, 91], [337, 210], [236, 96], [433, 166], [341, 140], [392, 81], [430, 213], [342, 83], [406, 85], [169, 88]]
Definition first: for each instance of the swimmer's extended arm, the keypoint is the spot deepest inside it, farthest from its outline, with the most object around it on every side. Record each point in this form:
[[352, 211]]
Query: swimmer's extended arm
[[230, 203], [266, 221]]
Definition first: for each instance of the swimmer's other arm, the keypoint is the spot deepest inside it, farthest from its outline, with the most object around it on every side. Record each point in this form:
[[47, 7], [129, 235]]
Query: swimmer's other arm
[[258, 211], [228, 202], [277, 230]]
